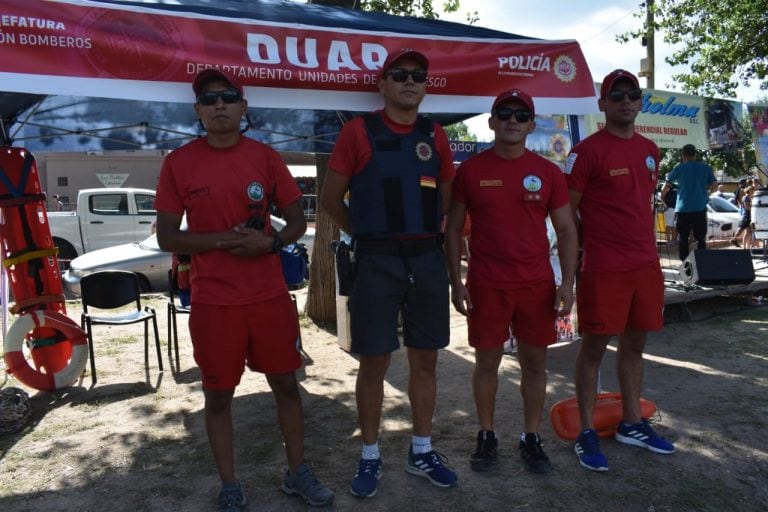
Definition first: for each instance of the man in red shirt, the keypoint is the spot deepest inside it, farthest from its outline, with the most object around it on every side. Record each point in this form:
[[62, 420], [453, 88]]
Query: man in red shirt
[[242, 312], [508, 192], [612, 176], [397, 167]]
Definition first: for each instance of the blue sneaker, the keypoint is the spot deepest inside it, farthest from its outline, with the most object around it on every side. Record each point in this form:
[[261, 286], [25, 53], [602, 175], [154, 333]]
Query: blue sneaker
[[587, 448], [641, 434], [366, 478], [231, 498], [431, 466]]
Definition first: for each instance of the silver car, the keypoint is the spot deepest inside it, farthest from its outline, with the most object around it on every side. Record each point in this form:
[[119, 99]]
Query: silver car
[[143, 258]]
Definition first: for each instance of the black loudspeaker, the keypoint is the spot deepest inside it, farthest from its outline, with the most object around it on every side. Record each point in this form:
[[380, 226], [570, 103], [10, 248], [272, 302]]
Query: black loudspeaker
[[718, 267]]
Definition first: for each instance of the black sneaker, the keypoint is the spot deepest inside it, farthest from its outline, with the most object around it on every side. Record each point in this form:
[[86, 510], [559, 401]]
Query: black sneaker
[[533, 455], [484, 457]]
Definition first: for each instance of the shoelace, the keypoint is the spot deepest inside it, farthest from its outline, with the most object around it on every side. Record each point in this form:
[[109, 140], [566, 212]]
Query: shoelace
[[487, 446], [438, 459], [590, 443], [369, 466], [645, 427], [310, 483], [230, 499], [535, 451]]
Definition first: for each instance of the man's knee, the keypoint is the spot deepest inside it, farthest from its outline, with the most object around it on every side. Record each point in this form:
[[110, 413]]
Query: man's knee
[[218, 401], [373, 367], [284, 385], [422, 360], [593, 347]]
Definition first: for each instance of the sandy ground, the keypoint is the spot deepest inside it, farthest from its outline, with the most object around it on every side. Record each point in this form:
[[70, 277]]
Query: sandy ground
[[136, 441]]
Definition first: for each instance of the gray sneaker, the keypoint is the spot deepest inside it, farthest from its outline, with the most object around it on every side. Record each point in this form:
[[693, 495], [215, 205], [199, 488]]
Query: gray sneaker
[[304, 483], [231, 498]]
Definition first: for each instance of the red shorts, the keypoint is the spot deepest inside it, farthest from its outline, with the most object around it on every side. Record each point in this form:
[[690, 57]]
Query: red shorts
[[226, 338], [529, 312], [610, 302]]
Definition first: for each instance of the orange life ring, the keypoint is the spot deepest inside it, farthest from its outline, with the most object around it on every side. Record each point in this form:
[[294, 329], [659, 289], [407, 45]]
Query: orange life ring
[[20, 368], [564, 415]]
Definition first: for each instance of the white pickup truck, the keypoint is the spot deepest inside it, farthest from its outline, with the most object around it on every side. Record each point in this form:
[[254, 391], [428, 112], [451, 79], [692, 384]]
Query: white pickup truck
[[104, 217]]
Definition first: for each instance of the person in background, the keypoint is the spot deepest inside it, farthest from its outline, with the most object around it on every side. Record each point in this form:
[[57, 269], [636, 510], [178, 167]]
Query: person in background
[[508, 192], [397, 167], [243, 315], [748, 237], [612, 176], [57, 203], [744, 221], [695, 179]]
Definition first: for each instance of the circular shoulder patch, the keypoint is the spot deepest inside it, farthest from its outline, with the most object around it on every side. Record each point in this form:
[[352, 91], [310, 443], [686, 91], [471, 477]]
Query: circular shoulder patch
[[255, 191], [532, 183], [650, 163]]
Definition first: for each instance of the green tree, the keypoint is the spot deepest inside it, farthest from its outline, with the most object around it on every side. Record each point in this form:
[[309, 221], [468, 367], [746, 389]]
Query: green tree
[[459, 131], [418, 8], [722, 43]]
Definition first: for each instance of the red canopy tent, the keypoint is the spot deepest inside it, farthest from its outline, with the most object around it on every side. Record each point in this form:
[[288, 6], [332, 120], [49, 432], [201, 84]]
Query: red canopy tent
[[288, 55]]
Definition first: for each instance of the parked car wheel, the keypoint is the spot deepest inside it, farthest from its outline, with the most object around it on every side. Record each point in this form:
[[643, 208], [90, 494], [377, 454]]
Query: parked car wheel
[[66, 252]]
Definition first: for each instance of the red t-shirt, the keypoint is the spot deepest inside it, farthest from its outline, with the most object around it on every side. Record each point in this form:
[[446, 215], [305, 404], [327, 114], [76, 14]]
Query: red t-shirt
[[353, 147], [217, 189], [508, 202], [617, 178]]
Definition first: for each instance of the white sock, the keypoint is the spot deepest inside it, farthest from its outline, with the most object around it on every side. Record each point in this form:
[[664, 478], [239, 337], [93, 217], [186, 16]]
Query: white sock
[[421, 444], [371, 451]]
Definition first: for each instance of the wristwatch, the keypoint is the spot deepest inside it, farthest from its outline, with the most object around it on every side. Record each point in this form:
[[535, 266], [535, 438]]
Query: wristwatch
[[277, 243]]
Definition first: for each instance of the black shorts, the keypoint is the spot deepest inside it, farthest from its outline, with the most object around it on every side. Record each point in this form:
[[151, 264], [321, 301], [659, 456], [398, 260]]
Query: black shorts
[[381, 290]]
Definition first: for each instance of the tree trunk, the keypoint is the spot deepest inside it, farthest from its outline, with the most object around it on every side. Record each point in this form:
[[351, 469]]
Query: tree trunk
[[321, 297]]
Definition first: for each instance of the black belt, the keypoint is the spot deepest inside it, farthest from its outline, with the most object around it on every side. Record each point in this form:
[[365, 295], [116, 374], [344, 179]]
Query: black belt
[[399, 247]]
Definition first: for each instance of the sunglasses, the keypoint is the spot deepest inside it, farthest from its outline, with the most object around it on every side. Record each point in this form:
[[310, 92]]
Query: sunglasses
[[401, 75], [505, 114], [631, 95], [228, 96]]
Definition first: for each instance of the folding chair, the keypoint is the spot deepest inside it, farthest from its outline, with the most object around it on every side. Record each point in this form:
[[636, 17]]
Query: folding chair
[[113, 289], [175, 307]]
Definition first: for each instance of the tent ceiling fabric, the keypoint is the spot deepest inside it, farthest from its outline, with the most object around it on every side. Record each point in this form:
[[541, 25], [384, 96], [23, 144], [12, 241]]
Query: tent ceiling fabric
[[11, 106], [288, 55]]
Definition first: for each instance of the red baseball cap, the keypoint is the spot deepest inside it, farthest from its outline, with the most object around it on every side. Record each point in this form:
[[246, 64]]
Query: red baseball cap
[[613, 77], [514, 94], [214, 75], [405, 53]]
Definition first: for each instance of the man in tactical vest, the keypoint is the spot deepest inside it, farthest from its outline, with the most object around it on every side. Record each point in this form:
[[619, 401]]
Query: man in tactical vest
[[397, 167]]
